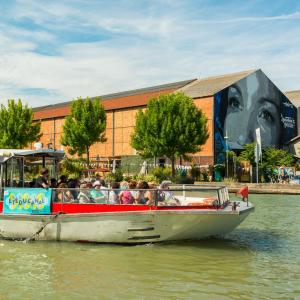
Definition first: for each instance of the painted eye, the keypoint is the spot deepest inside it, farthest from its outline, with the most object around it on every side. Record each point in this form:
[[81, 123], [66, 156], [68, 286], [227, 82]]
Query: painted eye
[[234, 103], [266, 115]]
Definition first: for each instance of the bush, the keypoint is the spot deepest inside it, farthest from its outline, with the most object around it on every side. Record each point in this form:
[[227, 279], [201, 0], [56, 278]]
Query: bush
[[204, 175], [148, 178], [195, 172], [183, 179], [162, 174], [117, 176], [230, 180], [72, 167]]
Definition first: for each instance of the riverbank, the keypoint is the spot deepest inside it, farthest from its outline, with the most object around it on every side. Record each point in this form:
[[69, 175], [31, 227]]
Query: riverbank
[[260, 188]]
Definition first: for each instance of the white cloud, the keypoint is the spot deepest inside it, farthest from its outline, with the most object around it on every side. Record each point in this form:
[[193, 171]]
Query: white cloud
[[138, 50]]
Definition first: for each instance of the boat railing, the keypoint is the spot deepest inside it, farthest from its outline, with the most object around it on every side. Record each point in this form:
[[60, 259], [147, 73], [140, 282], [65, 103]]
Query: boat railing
[[175, 195]]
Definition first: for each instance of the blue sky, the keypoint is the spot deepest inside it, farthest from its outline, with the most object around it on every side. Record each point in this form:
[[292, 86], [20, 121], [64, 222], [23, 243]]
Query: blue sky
[[58, 50]]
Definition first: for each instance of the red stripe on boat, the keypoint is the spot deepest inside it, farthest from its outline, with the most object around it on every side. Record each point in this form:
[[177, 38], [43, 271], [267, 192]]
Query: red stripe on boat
[[75, 208]]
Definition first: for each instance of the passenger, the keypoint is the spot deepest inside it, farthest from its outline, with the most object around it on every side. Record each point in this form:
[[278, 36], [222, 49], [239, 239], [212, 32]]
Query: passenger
[[143, 196], [133, 191], [53, 183], [89, 185], [32, 183], [103, 188], [97, 194], [132, 186], [63, 193], [84, 195], [73, 185], [42, 180], [166, 197], [113, 193], [125, 197], [62, 179]]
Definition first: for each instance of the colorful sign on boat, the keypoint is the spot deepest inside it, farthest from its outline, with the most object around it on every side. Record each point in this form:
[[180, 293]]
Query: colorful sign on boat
[[27, 201]]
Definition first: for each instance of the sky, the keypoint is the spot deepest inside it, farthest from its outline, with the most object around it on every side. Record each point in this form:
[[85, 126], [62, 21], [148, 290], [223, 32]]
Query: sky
[[59, 50]]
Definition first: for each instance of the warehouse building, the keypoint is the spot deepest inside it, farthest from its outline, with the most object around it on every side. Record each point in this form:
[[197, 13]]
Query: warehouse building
[[234, 104], [294, 144]]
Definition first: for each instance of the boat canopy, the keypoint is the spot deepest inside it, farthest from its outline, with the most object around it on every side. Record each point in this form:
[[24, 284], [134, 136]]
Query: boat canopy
[[18, 166], [5, 154]]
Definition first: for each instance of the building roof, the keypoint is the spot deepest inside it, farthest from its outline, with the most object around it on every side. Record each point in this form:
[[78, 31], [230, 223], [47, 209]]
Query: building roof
[[211, 85], [294, 140], [195, 88], [127, 99], [156, 88], [294, 97]]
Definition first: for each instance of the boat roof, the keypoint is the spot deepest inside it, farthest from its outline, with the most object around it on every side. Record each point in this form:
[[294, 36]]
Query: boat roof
[[7, 153]]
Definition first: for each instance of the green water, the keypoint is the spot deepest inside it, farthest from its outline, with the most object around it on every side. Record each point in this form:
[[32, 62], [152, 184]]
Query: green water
[[259, 260]]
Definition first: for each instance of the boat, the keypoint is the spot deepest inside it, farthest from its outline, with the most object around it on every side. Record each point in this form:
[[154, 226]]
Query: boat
[[195, 218], [200, 212]]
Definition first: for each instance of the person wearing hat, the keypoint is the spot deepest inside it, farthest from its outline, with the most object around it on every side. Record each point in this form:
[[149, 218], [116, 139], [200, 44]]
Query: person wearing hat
[[42, 180], [96, 194], [166, 197]]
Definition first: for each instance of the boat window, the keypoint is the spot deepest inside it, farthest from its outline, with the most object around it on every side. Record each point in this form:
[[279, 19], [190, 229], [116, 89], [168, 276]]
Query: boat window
[[13, 173]]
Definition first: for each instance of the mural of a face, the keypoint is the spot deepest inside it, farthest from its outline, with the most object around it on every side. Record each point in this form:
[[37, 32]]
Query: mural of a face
[[253, 103]]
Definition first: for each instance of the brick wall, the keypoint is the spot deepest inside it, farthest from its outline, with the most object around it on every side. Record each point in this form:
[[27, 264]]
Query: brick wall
[[122, 119]]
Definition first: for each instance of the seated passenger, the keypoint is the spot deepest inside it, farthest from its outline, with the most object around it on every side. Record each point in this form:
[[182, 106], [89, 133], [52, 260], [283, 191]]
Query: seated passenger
[[84, 195], [62, 179], [132, 186], [143, 196], [63, 193], [53, 183], [96, 193], [166, 197], [125, 197], [73, 185], [113, 193]]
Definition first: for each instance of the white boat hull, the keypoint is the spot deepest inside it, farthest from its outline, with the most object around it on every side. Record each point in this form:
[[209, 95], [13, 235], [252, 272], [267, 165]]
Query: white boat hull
[[126, 227]]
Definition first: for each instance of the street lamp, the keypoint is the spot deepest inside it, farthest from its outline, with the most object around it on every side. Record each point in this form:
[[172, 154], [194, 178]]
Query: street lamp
[[226, 147]]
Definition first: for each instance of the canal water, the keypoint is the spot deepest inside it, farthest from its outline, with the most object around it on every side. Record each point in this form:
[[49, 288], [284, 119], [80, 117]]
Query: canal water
[[259, 260]]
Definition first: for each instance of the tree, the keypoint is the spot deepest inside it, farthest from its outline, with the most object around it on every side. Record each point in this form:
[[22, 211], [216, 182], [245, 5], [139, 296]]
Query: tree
[[248, 153], [271, 157], [171, 126], [84, 126], [17, 128]]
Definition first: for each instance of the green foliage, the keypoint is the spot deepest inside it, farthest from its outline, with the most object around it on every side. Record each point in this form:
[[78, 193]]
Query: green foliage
[[162, 173], [85, 126], [72, 167], [273, 157], [183, 179], [117, 176], [195, 172], [204, 175], [171, 126], [248, 153], [146, 177], [17, 129], [229, 180]]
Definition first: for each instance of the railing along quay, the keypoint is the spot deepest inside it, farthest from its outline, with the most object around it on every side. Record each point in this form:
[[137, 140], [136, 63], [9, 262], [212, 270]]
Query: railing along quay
[[259, 188]]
